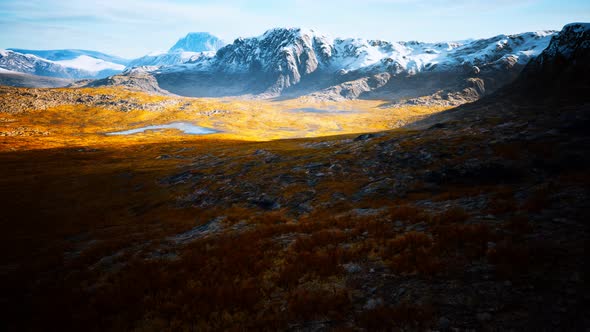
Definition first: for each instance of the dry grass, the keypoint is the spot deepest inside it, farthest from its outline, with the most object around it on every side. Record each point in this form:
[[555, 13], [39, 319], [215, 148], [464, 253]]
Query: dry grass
[[90, 225], [510, 258], [538, 200], [403, 317], [76, 124], [306, 304], [412, 253]]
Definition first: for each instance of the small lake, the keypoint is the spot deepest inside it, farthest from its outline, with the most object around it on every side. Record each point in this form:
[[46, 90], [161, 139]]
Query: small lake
[[319, 110], [185, 127]]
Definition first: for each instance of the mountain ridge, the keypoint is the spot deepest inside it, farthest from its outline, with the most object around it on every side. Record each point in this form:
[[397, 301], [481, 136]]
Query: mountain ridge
[[296, 62], [70, 64], [70, 54]]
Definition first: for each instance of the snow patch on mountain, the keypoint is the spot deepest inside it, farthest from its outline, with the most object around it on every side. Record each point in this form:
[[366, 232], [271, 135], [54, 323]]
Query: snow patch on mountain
[[168, 59], [190, 48], [81, 67], [70, 54], [6, 71], [90, 64]]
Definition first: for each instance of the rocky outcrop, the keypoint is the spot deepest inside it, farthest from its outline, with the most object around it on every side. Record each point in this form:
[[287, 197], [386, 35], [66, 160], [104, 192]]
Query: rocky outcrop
[[136, 79], [564, 66]]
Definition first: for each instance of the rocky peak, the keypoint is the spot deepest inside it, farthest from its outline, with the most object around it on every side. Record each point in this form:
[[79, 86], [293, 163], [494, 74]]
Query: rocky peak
[[289, 53], [197, 42], [569, 42], [564, 65]]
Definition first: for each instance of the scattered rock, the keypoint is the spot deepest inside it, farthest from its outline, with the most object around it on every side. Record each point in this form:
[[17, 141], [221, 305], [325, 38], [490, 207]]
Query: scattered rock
[[365, 137], [444, 323], [265, 202], [438, 126], [183, 177], [368, 212], [373, 303], [211, 227], [352, 268], [484, 316]]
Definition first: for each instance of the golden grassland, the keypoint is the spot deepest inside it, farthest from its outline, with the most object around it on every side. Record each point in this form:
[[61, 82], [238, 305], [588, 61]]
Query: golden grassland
[[77, 124]]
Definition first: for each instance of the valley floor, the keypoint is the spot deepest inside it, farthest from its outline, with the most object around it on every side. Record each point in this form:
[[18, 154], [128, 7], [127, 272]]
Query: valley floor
[[475, 223], [51, 118]]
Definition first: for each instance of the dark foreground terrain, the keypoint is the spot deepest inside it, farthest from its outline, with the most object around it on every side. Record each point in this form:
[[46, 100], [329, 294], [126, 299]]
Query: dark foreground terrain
[[478, 222]]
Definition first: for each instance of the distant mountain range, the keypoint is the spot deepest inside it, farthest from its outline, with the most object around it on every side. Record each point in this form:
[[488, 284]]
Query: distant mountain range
[[298, 62], [84, 64], [193, 46], [61, 55], [74, 64]]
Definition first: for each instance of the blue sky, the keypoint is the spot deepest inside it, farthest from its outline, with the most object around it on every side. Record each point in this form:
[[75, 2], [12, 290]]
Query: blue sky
[[132, 28]]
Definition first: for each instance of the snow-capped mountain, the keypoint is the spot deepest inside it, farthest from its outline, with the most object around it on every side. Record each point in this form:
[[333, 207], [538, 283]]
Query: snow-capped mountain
[[293, 49], [187, 49], [75, 64], [83, 64], [289, 59], [294, 62], [71, 54], [198, 42], [168, 59]]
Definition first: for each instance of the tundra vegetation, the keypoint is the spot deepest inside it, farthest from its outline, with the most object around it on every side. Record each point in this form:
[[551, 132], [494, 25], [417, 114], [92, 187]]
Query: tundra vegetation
[[287, 220]]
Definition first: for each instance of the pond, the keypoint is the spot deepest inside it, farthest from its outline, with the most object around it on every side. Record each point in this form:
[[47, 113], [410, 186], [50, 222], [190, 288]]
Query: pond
[[185, 127], [319, 110]]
